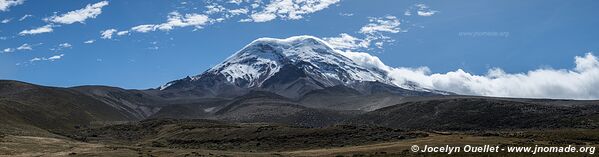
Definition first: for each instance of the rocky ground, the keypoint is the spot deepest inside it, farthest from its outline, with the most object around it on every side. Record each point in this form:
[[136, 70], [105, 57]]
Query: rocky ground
[[11, 145]]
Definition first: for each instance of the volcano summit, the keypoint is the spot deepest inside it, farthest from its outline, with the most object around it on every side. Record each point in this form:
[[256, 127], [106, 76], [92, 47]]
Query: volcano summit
[[290, 67]]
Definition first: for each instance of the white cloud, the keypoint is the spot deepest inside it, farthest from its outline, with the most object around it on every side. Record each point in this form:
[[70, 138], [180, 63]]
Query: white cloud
[[5, 4], [347, 42], [65, 45], [424, 10], [7, 50], [90, 11], [35, 59], [20, 48], [346, 14], [175, 19], [426, 13], [388, 24], [217, 20], [257, 11], [121, 33], [263, 17], [25, 17], [107, 34], [25, 47], [376, 31], [407, 13], [256, 5], [290, 9], [143, 28], [421, 6], [89, 41], [245, 20], [581, 82], [44, 29], [5, 21], [239, 11], [56, 57], [236, 1], [52, 58], [214, 8]]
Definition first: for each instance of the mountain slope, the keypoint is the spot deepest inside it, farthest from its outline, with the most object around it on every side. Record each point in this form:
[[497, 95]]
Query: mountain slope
[[32, 109], [271, 108], [133, 102]]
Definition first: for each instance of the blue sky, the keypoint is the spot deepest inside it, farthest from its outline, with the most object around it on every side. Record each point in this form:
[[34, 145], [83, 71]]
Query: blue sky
[[475, 36]]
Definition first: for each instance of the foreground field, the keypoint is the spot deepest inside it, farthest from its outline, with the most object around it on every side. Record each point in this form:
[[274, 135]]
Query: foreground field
[[11, 145], [43, 146]]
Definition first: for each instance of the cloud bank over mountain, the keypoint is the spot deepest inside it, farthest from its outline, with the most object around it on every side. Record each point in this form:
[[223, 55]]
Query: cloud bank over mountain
[[580, 82]]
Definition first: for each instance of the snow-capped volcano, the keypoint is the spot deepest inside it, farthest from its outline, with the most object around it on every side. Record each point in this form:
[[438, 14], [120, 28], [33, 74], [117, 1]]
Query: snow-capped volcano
[[264, 57], [289, 67]]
